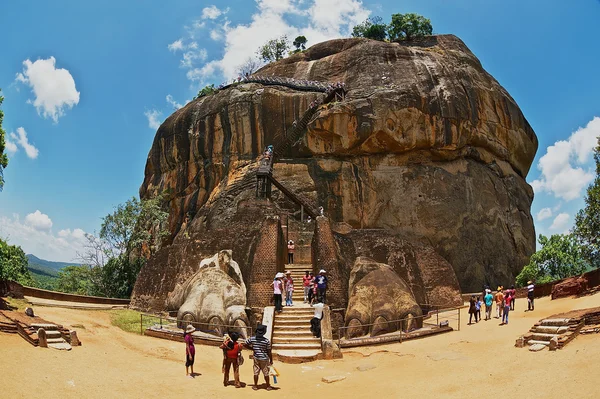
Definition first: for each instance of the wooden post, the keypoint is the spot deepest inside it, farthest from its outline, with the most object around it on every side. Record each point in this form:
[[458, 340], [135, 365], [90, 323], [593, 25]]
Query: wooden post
[[458, 319], [141, 325], [301, 213]]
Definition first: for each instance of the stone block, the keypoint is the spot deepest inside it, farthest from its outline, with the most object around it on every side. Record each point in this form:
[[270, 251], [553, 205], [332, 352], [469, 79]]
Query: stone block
[[74, 338], [333, 378], [521, 342], [43, 340]]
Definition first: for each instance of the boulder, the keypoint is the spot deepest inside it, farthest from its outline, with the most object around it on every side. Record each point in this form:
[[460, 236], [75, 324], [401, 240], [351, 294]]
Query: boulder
[[378, 296], [29, 312], [74, 339], [569, 287], [43, 339]]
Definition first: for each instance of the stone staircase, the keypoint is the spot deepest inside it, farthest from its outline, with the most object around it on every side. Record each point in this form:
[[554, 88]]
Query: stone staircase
[[50, 336], [292, 339], [552, 333]]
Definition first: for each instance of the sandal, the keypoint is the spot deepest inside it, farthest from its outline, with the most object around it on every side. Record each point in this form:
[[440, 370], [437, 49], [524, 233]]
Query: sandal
[[255, 388]]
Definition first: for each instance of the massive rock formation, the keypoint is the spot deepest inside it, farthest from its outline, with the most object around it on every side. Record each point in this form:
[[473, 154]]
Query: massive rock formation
[[426, 148]]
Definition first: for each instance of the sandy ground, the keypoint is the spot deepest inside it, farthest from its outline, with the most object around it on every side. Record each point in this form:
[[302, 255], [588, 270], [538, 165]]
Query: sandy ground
[[480, 360]]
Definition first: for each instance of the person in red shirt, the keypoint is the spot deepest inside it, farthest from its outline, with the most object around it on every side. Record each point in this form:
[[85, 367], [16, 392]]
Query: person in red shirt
[[306, 279], [231, 350], [507, 300], [190, 350]]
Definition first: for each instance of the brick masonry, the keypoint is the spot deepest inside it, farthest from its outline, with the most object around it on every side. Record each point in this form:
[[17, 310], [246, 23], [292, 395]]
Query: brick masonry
[[325, 256]]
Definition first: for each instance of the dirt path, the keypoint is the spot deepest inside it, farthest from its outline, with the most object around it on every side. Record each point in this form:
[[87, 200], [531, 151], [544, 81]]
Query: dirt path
[[478, 360]]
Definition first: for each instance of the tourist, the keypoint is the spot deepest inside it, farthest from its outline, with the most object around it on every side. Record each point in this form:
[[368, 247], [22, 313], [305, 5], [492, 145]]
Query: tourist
[[321, 211], [530, 296], [472, 309], [190, 350], [289, 288], [513, 295], [306, 279], [322, 286], [312, 288], [263, 358], [489, 301], [277, 290], [231, 350], [499, 298], [507, 299], [315, 322], [478, 304], [308, 219], [291, 249]]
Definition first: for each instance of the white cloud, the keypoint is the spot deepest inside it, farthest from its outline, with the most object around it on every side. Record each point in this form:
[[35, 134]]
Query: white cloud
[[39, 221], [154, 118], [191, 57], [318, 20], [213, 12], [561, 223], [172, 102], [177, 45], [43, 243], [10, 147], [54, 88], [20, 139], [544, 214], [564, 170]]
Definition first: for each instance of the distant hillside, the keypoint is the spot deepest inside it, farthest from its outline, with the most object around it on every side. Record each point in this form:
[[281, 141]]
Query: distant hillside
[[41, 264]]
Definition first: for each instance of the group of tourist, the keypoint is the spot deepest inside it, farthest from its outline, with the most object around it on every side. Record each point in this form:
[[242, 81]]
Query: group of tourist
[[315, 288], [232, 355], [504, 299]]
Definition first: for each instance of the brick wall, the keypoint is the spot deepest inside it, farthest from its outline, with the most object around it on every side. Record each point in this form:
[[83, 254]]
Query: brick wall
[[325, 256], [268, 260]]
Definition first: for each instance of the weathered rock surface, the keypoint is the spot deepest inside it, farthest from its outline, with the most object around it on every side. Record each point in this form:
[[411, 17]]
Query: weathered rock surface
[[569, 287], [377, 295], [427, 146]]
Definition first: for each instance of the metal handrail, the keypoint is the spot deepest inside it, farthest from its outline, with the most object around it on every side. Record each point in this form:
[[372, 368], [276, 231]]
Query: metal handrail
[[216, 328]]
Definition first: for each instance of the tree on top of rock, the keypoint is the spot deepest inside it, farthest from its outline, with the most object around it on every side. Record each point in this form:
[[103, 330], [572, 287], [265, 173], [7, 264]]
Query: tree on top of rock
[[274, 49], [587, 221], [371, 28], [3, 157], [300, 43], [408, 26]]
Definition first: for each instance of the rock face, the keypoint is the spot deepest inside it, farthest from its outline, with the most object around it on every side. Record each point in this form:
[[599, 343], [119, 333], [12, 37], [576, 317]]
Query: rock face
[[427, 147], [569, 287], [378, 296]]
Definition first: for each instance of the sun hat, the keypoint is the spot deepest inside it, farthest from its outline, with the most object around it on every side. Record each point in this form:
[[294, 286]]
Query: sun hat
[[322, 271], [529, 282], [190, 329], [261, 329], [279, 275], [288, 272]]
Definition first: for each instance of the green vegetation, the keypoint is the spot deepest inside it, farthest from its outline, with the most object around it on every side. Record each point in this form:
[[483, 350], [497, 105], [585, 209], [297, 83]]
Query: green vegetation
[[587, 221], [16, 304], [300, 43], [402, 27], [561, 256], [3, 157], [13, 264], [129, 320], [206, 91], [274, 49]]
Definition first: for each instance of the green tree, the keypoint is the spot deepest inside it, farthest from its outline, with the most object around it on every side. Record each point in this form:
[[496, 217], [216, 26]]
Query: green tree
[[587, 221], [75, 280], [3, 156], [119, 275], [300, 43], [408, 26], [13, 264], [561, 256], [274, 49], [206, 91], [371, 28]]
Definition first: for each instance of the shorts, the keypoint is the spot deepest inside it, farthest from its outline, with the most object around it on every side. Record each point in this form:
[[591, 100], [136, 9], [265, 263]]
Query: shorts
[[189, 360], [261, 365]]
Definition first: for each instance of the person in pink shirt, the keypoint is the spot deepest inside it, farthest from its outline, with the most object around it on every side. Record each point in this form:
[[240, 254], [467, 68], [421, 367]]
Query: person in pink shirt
[[289, 288], [507, 300], [190, 350], [306, 279]]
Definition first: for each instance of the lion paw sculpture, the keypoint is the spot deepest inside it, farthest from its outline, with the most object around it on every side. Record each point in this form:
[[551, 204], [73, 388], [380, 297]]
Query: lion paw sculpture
[[378, 298], [213, 298]]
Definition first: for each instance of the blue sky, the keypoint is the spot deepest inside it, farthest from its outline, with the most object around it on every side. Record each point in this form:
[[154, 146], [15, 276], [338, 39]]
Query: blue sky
[[86, 84]]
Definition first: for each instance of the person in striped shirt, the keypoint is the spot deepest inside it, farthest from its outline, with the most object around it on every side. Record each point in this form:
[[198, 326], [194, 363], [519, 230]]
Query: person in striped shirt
[[263, 358], [530, 296]]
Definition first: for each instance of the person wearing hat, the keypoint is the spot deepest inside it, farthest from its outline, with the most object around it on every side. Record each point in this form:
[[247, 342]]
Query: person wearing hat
[[263, 357], [190, 350], [278, 289], [231, 350], [291, 249], [321, 286], [530, 296], [499, 299]]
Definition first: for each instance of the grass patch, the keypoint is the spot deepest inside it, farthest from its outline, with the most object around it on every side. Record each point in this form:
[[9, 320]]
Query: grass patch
[[17, 304], [129, 320]]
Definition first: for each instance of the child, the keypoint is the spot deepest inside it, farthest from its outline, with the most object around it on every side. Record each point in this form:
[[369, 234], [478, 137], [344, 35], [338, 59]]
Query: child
[[190, 350], [478, 304], [231, 349], [306, 279], [289, 289]]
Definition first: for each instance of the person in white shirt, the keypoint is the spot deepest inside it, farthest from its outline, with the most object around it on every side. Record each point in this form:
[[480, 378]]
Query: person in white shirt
[[530, 295], [315, 322]]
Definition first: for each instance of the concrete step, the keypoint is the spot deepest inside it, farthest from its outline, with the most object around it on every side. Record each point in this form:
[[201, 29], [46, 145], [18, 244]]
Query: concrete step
[[294, 316], [300, 309], [290, 328], [535, 341], [53, 334], [293, 333], [65, 346], [544, 337], [303, 340], [555, 322], [296, 346], [549, 329], [55, 340], [47, 327]]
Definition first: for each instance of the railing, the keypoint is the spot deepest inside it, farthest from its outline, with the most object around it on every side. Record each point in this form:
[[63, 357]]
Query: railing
[[438, 316], [173, 324]]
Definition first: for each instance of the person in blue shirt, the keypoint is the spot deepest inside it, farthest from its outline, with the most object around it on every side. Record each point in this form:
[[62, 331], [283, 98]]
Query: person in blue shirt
[[322, 286], [489, 301]]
